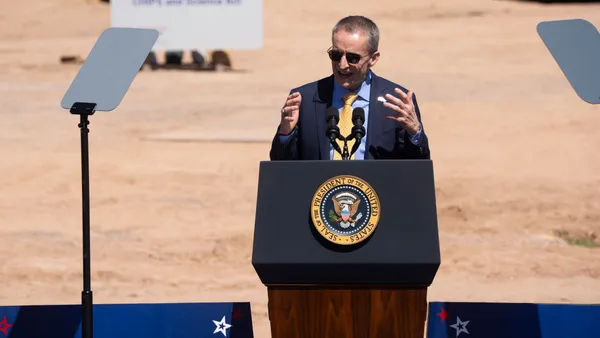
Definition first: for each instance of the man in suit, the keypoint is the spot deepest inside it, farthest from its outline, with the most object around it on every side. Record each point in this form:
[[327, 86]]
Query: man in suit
[[392, 117]]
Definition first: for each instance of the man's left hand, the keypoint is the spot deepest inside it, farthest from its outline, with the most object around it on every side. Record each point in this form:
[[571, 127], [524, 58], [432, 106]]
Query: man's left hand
[[404, 110]]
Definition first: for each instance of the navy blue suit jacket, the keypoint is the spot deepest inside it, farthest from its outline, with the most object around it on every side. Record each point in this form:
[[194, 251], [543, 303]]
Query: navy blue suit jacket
[[386, 139]]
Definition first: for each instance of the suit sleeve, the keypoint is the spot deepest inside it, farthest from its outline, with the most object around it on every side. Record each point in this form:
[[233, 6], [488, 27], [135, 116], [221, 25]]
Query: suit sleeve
[[284, 147]]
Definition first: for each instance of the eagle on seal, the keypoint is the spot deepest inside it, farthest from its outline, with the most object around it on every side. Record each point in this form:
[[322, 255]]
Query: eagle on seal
[[345, 211]]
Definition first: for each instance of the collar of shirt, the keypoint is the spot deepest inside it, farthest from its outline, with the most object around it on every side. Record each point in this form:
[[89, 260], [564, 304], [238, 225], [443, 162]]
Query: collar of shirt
[[363, 92]]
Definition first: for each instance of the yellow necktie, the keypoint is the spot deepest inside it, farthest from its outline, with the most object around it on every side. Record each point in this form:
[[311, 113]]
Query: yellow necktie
[[345, 124]]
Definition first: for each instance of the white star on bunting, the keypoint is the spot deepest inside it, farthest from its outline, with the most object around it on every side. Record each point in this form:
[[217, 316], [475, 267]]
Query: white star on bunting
[[460, 326], [222, 326]]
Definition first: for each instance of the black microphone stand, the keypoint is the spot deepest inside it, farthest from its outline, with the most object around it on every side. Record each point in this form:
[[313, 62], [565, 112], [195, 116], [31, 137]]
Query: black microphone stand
[[355, 135], [345, 154]]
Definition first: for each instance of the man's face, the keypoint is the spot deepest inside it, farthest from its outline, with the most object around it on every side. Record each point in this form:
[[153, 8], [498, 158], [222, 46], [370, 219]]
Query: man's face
[[351, 70]]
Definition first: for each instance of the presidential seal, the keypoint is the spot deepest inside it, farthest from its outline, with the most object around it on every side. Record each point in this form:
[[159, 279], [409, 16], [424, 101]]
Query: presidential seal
[[345, 210]]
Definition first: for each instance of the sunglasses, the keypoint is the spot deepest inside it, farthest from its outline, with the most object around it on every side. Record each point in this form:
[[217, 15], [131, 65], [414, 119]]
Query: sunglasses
[[336, 55]]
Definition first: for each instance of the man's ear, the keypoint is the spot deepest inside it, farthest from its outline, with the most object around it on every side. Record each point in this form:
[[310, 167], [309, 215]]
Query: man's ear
[[373, 59]]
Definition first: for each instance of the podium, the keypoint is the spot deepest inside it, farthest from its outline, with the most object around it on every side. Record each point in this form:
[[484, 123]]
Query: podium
[[346, 248]]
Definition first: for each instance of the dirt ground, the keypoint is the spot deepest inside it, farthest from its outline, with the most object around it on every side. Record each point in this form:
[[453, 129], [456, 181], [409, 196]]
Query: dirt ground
[[514, 150]]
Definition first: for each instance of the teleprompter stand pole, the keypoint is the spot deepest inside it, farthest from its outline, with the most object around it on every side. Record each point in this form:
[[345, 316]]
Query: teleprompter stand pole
[[100, 85], [84, 110]]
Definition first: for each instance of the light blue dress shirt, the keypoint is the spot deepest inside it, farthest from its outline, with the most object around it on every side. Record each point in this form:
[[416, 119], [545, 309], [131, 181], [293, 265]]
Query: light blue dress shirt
[[362, 101]]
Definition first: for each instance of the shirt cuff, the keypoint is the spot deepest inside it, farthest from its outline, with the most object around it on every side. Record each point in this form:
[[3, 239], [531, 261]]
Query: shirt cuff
[[285, 138], [416, 139]]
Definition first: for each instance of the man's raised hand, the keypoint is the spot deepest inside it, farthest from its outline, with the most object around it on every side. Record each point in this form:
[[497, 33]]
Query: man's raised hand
[[290, 113], [404, 110]]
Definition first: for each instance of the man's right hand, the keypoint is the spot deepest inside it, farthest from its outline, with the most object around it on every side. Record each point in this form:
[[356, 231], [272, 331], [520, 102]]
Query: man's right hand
[[290, 113]]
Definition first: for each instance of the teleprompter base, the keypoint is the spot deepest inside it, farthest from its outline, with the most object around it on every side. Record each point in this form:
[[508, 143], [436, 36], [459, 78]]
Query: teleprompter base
[[347, 312]]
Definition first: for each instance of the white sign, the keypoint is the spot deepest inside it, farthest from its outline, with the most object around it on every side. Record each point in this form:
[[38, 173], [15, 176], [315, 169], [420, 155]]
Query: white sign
[[194, 24]]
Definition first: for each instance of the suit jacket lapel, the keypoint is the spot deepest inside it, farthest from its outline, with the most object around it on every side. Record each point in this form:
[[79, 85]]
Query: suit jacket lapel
[[322, 101], [377, 114]]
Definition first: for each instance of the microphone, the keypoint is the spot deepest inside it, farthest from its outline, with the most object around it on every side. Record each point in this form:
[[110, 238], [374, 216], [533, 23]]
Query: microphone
[[332, 117], [358, 131]]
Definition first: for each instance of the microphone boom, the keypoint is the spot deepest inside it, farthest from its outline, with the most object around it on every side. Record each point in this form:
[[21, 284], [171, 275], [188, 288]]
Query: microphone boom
[[358, 130], [332, 117]]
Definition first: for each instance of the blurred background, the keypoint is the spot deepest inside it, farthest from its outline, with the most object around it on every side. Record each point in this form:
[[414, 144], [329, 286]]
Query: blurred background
[[174, 168]]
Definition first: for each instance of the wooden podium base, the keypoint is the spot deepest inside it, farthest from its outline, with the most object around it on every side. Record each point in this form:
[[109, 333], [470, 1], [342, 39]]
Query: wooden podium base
[[347, 312]]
